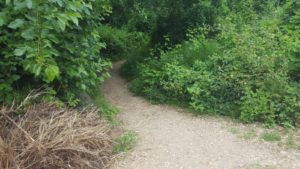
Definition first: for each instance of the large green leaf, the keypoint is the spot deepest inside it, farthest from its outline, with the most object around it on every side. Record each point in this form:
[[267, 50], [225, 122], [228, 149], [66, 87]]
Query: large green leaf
[[62, 21], [51, 72], [29, 4], [16, 23], [19, 51], [20, 5], [28, 34], [74, 17]]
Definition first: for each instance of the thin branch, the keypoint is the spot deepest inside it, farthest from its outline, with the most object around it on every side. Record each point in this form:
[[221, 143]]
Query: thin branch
[[20, 128]]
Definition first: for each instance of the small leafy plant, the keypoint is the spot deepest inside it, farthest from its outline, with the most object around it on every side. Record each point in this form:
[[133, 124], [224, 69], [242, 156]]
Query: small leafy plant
[[125, 142]]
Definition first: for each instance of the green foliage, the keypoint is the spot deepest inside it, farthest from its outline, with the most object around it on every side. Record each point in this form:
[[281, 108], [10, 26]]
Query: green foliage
[[138, 48], [125, 142], [250, 134], [54, 43], [122, 44], [291, 27], [147, 82], [107, 110], [115, 42], [291, 140], [165, 18], [258, 107], [271, 136], [243, 65]]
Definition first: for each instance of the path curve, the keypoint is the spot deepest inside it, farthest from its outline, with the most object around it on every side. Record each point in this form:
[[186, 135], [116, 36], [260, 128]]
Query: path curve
[[172, 139]]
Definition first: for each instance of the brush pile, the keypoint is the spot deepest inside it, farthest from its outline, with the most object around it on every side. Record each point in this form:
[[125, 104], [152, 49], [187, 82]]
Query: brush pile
[[47, 137]]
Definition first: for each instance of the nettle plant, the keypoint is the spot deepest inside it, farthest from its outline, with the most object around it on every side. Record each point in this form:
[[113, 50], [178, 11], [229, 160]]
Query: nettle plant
[[54, 43]]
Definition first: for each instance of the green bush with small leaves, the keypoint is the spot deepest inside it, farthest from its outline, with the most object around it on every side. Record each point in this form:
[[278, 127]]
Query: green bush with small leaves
[[247, 69]]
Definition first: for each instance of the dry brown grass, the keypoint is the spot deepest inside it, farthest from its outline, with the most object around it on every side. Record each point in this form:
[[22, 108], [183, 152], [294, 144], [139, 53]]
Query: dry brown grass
[[50, 138]]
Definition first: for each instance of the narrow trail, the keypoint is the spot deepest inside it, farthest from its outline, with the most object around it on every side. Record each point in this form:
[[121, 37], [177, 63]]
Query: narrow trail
[[169, 138]]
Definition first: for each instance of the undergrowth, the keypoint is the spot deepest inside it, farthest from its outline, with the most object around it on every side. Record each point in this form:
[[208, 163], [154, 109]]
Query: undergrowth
[[243, 72]]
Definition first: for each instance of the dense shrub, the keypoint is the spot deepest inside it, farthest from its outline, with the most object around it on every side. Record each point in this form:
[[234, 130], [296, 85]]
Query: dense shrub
[[291, 27], [52, 43], [138, 50], [164, 18], [243, 72], [124, 44], [117, 42]]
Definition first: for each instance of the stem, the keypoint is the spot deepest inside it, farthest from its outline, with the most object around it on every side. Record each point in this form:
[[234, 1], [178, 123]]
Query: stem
[[20, 128]]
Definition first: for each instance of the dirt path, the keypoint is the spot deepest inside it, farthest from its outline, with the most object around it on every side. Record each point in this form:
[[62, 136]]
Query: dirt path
[[172, 139]]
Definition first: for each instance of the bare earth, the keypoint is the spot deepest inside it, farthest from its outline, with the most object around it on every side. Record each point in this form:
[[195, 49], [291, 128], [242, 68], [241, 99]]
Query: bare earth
[[169, 138]]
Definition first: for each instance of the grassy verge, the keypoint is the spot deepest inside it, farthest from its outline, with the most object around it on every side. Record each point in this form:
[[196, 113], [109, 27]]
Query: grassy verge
[[286, 138], [271, 136], [107, 110], [125, 141]]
